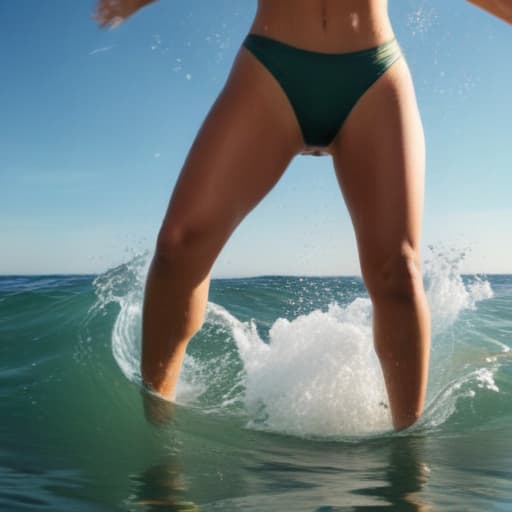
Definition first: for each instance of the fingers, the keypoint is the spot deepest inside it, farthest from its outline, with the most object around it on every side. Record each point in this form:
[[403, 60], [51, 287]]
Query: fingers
[[110, 12], [114, 12]]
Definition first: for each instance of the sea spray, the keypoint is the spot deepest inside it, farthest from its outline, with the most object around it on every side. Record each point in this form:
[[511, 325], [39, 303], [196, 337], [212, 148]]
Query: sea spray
[[313, 375], [318, 375]]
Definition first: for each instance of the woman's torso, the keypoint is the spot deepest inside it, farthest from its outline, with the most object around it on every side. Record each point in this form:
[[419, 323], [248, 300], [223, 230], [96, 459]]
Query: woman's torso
[[330, 26]]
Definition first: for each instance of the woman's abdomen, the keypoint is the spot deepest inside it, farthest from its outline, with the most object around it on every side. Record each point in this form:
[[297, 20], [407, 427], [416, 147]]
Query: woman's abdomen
[[331, 26]]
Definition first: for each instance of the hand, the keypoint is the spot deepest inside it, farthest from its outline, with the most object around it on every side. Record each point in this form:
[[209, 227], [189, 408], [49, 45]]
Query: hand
[[116, 11], [500, 8]]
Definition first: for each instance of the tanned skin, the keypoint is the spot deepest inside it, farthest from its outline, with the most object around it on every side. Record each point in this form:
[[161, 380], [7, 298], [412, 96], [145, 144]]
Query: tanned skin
[[500, 8], [243, 147]]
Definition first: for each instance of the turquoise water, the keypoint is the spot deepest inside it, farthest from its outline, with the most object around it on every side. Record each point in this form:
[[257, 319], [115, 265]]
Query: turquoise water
[[280, 405]]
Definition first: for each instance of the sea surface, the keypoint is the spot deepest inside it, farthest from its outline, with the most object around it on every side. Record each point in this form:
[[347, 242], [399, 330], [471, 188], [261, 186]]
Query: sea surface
[[280, 405]]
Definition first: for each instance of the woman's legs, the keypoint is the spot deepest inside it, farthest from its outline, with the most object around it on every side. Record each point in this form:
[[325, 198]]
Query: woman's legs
[[379, 157], [244, 145]]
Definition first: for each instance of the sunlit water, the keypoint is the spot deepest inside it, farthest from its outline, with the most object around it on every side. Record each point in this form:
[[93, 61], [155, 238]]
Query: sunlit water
[[281, 404]]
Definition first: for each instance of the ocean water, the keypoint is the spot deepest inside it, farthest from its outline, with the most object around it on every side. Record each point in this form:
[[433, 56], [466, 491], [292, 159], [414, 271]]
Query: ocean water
[[280, 405]]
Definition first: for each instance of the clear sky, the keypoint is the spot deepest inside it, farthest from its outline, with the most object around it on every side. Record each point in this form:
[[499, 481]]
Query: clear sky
[[95, 125]]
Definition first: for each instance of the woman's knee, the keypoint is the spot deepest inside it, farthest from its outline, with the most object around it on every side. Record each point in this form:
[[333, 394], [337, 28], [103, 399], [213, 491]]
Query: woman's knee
[[177, 239], [396, 276]]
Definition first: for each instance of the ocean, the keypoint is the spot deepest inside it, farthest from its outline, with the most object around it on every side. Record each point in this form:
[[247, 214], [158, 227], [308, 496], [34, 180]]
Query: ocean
[[280, 405]]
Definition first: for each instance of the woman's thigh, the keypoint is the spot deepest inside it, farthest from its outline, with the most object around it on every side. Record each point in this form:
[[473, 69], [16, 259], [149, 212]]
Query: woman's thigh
[[243, 147], [379, 158]]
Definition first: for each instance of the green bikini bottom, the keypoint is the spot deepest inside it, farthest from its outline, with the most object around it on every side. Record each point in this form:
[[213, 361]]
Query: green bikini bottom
[[322, 87]]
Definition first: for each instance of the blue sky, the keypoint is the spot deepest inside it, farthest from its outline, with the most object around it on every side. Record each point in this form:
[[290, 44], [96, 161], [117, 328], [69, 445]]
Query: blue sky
[[95, 125]]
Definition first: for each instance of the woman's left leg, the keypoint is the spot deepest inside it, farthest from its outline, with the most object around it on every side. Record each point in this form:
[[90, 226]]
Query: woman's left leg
[[379, 157]]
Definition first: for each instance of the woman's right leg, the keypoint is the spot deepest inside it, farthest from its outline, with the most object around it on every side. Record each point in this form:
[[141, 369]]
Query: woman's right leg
[[243, 147]]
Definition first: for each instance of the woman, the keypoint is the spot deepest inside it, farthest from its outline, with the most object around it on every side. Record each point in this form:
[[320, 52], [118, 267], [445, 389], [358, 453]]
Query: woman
[[318, 77]]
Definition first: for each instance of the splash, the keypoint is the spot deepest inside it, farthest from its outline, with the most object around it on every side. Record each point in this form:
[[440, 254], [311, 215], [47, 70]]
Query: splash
[[318, 374], [447, 294], [315, 375]]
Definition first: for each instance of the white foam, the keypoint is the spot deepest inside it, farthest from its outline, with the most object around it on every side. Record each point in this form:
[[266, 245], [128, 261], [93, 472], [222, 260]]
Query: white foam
[[318, 374], [447, 294], [485, 379]]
